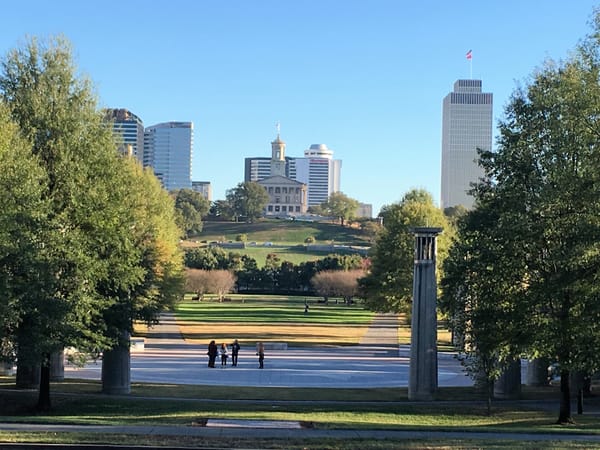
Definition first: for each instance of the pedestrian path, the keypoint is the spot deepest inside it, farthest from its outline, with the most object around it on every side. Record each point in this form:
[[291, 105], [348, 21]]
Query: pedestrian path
[[300, 433], [382, 331]]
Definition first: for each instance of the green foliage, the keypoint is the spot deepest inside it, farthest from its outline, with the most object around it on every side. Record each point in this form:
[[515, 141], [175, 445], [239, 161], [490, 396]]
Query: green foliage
[[191, 207], [241, 237], [248, 200], [530, 253], [339, 205], [310, 240], [99, 244], [388, 285]]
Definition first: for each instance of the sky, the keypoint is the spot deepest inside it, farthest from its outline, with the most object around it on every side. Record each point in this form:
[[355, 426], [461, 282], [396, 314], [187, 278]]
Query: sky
[[366, 78]]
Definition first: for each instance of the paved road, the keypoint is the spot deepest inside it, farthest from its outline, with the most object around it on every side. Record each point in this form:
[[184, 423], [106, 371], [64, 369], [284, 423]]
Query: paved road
[[376, 362]]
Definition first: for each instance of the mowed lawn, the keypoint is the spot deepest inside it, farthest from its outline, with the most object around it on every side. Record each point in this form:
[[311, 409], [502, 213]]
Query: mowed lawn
[[251, 318]]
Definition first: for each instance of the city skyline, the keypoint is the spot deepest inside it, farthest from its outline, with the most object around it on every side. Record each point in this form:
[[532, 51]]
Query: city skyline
[[366, 79]]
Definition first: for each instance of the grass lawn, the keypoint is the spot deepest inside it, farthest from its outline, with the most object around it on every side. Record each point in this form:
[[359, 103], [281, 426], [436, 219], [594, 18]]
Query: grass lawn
[[365, 409], [251, 318], [271, 230]]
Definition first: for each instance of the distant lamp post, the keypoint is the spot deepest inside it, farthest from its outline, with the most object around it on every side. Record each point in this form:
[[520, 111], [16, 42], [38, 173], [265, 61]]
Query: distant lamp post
[[423, 376]]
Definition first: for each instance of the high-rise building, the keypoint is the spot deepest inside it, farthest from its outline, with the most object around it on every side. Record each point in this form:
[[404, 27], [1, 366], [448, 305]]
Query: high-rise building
[[168, 150], [466, 126], [129, 130], [204, 188], [319, 171]]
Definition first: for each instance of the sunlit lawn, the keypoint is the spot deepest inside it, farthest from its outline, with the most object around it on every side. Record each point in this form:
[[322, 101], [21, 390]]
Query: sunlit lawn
[[252, 318]]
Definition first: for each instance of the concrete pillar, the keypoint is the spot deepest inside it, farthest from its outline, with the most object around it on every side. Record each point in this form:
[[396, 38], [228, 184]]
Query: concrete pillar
[[116, 369], [537, 372], [423, 376], [6, 368], [28, 375], [508, 386], [57, 366]]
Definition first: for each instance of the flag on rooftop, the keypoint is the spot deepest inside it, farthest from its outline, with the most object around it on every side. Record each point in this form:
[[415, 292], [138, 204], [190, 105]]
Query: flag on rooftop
[[469, 54]]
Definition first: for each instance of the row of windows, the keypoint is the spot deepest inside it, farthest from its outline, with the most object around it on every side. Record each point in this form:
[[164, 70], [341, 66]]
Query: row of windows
[[283, 208], [283, 190]]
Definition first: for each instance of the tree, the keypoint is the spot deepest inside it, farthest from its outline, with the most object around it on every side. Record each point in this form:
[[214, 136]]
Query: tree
[[542, 186], [191, 207], [341, 206], [22, 211], [340, 283], [223, 282], [248, 200], [198, 281], [94, 248], [388, 285]]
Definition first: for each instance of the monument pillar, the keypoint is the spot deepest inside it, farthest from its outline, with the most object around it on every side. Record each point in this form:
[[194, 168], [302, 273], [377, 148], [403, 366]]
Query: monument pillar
[[116, 368], [508, 385], [423, 375]]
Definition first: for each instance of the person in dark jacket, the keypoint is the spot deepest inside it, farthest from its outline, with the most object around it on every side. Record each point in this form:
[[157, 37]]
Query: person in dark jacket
[[212, 353], [235, 349], [260, 351]]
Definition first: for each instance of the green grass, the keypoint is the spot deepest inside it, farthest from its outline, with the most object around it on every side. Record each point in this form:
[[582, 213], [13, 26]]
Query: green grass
[[273, 309], [282, 231], [79, 402]]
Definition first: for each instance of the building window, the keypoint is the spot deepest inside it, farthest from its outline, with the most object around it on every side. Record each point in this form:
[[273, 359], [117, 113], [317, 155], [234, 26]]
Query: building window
[[277, 190], [287, 198], [283, 208], [284, 190], [297, 190], [270, 208], [276, 208], [297, 209], [270, 189], [277, 200]]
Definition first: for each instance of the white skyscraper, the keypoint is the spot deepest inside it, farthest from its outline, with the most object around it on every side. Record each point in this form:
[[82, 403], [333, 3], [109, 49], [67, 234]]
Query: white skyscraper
[[466, 126], [168, 150], [319, 171]]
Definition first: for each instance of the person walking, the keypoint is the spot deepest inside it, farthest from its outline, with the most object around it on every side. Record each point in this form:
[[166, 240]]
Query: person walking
[[235, 349], [223, 353], [212, 354], [260, 351]]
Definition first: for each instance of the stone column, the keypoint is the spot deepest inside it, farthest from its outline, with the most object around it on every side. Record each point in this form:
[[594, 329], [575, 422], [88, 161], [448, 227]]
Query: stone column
[[508, 386], [116, 369], [537, 372], [423, 376], [57, 366]]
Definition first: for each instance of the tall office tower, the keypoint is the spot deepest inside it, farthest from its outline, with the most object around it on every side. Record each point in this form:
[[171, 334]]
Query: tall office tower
[[129, 130], [168, 150], [466, 126], [319, 171], [256, 169]]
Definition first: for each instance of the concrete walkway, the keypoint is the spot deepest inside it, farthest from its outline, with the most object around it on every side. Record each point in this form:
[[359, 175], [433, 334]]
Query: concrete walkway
[[376, 362], [297, 433]]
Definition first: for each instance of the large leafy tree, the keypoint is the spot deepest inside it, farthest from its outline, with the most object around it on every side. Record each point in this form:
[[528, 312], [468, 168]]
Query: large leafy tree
[[93, 248], [191, 207], [248, 200], [341, 206], [22, 213], [540, 199], [388, 285]]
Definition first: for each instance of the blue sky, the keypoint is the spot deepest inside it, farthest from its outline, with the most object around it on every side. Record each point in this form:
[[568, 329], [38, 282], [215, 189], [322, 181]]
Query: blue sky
[[367, 78]]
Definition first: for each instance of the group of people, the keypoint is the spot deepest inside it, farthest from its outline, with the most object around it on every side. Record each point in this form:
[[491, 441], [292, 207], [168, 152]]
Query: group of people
[[223, 352]]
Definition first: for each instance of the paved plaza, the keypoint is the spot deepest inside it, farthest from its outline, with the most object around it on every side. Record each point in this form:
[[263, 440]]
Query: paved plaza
[[376, 362]]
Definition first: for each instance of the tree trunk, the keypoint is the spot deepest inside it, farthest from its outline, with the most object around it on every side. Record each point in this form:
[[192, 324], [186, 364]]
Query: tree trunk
[[564, 415], [44, 397]]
